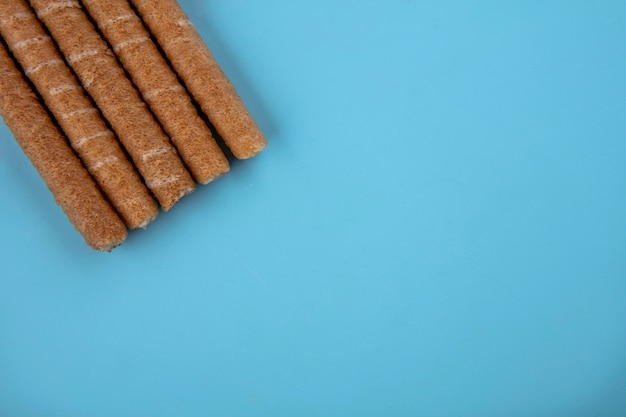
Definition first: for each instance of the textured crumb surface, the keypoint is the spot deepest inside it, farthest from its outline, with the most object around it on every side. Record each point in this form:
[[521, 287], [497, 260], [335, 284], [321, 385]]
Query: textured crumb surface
[[73, 110], [202, 75], [71, 185], [100, 73], [160, 87]]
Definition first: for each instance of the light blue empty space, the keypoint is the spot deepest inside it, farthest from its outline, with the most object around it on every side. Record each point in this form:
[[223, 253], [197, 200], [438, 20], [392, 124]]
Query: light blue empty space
[[437, 228]]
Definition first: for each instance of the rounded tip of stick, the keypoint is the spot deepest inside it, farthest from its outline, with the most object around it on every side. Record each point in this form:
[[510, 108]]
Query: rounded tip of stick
[[144, 224], [110, 243], [169, 204], [251, 149]]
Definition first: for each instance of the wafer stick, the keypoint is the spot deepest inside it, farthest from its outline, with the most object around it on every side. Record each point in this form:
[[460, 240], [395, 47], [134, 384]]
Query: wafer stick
[[88, 134], [160, 87], [72, 187], [103, 78], [195, 64]]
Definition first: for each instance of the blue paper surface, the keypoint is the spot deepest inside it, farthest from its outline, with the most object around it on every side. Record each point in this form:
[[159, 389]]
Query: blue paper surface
[[437, 228]]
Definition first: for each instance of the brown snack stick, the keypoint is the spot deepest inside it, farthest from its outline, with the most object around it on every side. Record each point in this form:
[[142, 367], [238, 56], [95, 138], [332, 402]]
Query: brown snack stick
[[103, 78], [204, 78], [160, 88], [72, 187], [81, 122]]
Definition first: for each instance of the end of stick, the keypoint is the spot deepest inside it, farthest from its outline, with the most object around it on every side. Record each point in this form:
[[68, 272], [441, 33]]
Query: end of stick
[[249, 148], [110, 242]]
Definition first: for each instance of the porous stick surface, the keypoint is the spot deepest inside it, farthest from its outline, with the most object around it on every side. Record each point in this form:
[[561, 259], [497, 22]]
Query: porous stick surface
[[71, 185], [203, 77], [103, 78], [88, 134], [160, 88]]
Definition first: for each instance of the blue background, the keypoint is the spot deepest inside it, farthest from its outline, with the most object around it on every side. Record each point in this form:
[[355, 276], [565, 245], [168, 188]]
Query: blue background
[[437, 228]]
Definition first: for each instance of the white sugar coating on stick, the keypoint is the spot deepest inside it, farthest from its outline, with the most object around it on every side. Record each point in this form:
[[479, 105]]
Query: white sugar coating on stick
[[160, 87], [202, 76], [74, 111], [70, 184], [103, 78]]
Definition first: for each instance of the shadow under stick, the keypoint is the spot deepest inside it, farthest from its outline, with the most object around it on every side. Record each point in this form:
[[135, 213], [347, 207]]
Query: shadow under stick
[[160, 88], [71, 185], [104, 79], [204, 78], [81, 122]]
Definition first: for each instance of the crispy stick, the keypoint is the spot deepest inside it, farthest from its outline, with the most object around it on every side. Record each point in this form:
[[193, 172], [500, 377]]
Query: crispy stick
[[72, 187], [160, 87], [103, 78], [195, 64], [88, 134]]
